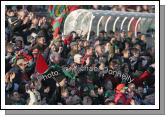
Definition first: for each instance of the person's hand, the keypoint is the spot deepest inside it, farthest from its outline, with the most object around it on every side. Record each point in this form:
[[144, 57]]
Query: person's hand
[[21, 17], [153, 65], [101, 67], [100, 90], [64, 93], [92, 93], [26, 19], [62, 83], [132, 102], [12, 76], [40, 22], [87, 61], [60, 49], [112, 40], [51, 44], [7, 77], [44, 20], [96, 43], [31, 15]]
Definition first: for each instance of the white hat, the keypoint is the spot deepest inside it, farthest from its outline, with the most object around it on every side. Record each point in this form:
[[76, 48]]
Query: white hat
[[77, 58]]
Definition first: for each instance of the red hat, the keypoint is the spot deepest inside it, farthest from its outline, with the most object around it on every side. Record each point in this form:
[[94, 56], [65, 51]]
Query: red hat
[[120, 87]]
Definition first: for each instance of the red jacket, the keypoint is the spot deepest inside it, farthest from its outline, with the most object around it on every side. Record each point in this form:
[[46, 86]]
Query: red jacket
[[139, 81], [121, 96]]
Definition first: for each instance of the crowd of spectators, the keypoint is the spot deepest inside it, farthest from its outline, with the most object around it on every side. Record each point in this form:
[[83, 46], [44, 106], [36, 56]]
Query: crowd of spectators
[[125, 63]]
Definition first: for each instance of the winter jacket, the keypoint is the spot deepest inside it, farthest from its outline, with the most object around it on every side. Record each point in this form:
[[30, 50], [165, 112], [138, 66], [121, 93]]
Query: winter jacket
[[144, 76], [121, 98]]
